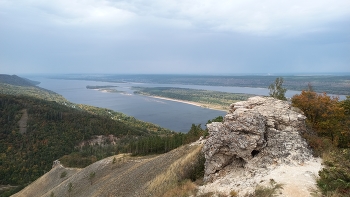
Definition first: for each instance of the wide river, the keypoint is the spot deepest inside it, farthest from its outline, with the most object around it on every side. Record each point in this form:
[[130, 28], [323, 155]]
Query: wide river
[[168, 114]]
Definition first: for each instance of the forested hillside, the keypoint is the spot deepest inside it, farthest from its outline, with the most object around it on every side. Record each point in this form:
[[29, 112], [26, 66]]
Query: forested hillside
[[16, 80], [40, 126], [52, 131]]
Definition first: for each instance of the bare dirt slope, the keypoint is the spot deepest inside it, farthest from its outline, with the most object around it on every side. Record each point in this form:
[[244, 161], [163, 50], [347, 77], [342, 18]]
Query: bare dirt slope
[[48, 181], [122, 176], [22, 123]]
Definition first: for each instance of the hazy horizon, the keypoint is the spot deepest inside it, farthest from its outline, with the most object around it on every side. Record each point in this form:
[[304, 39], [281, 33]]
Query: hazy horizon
[[189, 74]]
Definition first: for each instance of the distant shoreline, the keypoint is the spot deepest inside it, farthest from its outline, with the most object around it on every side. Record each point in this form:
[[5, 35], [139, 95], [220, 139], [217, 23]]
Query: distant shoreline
[[189, 102]]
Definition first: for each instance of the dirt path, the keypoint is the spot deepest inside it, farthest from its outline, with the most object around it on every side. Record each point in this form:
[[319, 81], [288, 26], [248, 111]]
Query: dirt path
[[23, 122], [6, 187], [297, 181]]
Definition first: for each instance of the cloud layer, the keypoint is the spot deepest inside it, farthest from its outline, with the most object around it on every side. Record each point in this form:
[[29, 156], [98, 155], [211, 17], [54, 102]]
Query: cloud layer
[[174, 36]]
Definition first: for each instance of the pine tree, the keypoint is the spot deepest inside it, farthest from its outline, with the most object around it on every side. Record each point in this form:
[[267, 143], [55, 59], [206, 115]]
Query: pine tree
[[276, 89]]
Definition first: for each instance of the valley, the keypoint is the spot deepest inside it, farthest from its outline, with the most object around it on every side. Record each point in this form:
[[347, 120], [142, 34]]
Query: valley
[[109, 152]]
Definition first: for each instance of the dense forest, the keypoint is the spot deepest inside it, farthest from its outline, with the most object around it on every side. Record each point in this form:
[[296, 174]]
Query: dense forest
[[52, 131], [211, 99]]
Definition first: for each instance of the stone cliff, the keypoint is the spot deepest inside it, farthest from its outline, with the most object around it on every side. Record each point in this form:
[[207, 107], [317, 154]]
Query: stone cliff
[[255, 137]]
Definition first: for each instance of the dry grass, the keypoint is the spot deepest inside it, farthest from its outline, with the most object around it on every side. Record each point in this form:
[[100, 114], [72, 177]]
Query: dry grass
[[185, 188], [123, 176], [233, 193], [177, 172]]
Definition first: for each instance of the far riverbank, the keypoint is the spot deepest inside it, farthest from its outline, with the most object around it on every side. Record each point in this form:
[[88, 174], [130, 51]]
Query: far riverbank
[[204, 105]]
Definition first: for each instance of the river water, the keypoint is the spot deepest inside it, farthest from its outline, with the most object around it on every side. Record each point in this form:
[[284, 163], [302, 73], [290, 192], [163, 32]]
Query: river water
[[168, 114]]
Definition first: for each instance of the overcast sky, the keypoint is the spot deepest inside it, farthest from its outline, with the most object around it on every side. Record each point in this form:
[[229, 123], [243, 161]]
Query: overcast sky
[[174, 36]]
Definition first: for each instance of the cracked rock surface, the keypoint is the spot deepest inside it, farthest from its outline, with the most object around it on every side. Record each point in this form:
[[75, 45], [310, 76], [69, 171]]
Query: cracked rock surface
[[256, 135]]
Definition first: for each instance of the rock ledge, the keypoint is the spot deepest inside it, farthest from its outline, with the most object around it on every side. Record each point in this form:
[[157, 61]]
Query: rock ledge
[[256, 135]]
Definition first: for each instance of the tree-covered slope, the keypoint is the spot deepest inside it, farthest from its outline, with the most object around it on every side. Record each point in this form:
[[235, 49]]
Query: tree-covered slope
[[16, 80], [52, 130]]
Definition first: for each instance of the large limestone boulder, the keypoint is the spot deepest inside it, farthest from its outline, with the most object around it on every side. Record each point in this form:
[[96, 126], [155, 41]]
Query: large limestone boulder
[[259, 133]]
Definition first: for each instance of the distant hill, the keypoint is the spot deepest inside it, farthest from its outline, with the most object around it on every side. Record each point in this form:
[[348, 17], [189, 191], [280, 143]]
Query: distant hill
[[16, 80]]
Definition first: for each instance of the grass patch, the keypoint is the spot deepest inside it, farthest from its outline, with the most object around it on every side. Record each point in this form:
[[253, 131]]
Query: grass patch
[[269, 191], [179, 176]]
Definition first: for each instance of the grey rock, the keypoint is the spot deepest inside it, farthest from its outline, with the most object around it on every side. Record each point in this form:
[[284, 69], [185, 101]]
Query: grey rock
[[259, 133]]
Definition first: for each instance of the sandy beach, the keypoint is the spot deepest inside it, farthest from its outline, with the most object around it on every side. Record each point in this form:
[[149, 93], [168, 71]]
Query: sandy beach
[[219, 108]]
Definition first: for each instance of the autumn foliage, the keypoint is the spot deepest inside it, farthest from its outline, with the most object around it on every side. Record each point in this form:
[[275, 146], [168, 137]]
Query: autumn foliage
[[326, 115], [329, 118]]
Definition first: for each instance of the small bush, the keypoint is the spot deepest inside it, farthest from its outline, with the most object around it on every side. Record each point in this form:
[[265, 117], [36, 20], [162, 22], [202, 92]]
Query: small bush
[[335, 176], [318, 144], [270, 191], [233, 193], [63, 174]]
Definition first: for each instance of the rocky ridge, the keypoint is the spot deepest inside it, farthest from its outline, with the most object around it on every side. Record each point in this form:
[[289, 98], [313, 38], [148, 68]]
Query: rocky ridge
[[256, 137]]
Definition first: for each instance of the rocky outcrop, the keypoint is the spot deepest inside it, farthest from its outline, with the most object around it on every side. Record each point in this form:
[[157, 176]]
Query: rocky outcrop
[[259, 133]]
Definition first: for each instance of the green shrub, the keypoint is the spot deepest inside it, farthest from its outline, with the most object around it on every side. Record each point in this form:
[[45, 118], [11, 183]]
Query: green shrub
[[335, 176], [63, 174]]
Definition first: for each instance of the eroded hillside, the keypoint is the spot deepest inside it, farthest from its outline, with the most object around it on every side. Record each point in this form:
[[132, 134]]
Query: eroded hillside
[[119, 175]]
